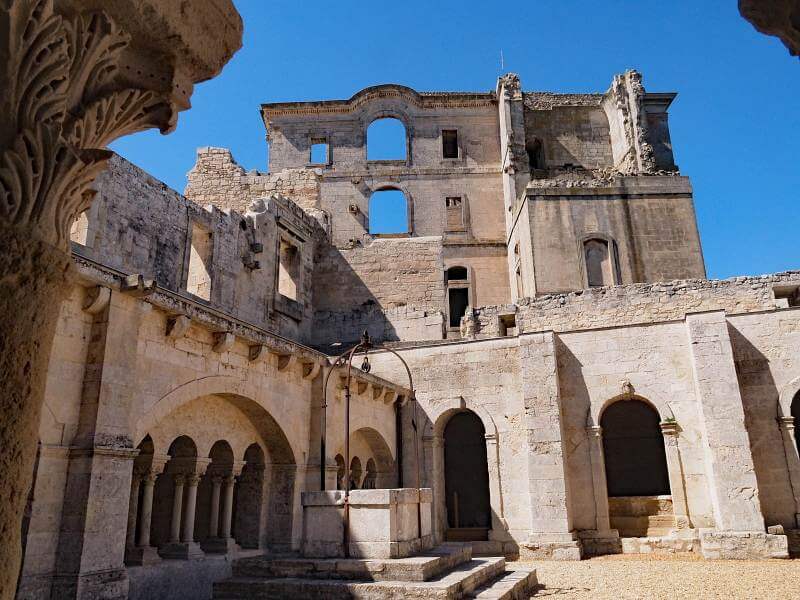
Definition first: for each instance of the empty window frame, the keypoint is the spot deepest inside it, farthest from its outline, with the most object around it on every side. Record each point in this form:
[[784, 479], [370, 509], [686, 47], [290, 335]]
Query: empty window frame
[[79, 233], [201, 254], [387, 140], [449, 143], [388, 212], [457, 295], [454, 213], [288, 270], [598, 255], [320, 151]]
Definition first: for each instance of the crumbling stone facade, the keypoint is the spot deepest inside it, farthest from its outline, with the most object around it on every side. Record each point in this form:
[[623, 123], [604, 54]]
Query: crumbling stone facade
[[551, 269]]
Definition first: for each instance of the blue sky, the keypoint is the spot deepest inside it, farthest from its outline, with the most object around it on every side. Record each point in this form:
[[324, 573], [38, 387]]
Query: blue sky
[[735, 124]]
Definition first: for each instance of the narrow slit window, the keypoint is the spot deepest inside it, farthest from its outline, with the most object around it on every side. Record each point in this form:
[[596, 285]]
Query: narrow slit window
[[288, 270], [449, 143], [200, 257], [599, 268], [320, 151]]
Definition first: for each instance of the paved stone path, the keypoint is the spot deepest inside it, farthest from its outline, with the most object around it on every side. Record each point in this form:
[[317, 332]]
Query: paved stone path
[[668, 577]]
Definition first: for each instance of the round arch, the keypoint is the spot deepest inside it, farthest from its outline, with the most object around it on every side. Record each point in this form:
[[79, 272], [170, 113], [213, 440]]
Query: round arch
[[787, 396], [265, 414], [661, 407]]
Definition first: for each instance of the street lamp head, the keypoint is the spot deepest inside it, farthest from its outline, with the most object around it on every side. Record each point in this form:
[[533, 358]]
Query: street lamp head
[[366, 341]]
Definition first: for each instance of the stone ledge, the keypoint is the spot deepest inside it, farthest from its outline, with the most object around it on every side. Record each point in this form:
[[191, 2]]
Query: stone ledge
[[742, 545]]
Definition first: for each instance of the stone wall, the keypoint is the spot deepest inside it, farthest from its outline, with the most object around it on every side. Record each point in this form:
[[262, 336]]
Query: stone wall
[[638, 304], [216, 178]]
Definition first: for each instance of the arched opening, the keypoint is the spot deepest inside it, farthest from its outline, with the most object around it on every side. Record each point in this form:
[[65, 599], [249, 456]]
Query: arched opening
[[466, 475], [457, 295], [637, 477], [598, 263], [169, 517], [248, 510], [387, 140], [355, 473], [370, 478], [535, 154], [209, 491], [388, 212], [795, 408], [340, 469]]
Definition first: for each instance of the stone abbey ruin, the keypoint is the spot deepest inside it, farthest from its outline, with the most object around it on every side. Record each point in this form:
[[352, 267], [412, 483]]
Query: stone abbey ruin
[[579, 387]]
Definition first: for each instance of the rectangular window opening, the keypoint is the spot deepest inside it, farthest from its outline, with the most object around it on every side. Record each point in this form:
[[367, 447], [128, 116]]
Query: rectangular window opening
[[288, 270], [79, 233], [201, 254], [508, 325], [449, 143], [787, 296], [455, 213], [319, 151]]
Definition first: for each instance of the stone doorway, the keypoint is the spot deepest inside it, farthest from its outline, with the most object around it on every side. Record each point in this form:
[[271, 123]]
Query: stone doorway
[[639, 496], [466, 479]]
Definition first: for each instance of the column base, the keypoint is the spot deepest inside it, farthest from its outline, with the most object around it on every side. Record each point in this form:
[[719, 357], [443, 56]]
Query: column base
[[141, 555], [551, 546], [220, 546], [597, 543], [742, 545], [181, 550]]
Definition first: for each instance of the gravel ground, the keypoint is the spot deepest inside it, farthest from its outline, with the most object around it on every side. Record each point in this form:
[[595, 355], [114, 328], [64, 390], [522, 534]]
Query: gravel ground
[[622, 577]]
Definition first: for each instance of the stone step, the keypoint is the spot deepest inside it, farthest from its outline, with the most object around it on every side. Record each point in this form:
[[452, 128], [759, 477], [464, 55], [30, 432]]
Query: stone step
[[519, 584], [458, 583], [416, 568]]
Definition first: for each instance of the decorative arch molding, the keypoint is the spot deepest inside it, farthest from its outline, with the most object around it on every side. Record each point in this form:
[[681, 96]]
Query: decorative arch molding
[[787, 396], [659, 405], [439, 414], [262, 410], [385, 185]]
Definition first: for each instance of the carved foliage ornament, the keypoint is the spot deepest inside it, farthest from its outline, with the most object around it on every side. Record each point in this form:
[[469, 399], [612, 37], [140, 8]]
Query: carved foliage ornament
[[64, 106]]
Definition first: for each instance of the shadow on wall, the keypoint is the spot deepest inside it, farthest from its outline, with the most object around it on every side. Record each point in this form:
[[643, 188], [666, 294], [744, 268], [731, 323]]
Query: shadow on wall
[[760, 397]]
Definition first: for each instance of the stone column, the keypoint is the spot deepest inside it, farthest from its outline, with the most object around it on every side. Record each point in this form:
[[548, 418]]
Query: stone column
[[677, 485], [551, 533], [227, 507], [74, 79], [143, 553], [433, 476], [499, 525], [187, 536], [177, 509], [599, 484], [213, 528], [730, 472], [133, 509], [787, 428]]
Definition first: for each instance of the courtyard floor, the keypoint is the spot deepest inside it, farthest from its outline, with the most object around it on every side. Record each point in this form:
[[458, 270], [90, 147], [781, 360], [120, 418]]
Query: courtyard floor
[[622, 577]]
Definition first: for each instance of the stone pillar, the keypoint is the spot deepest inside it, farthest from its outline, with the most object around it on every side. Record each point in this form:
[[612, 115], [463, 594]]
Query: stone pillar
[[730, 473], [787, 428], [227, 506], [146, 515], [499, 525], [213, 528], [70, 84], [599, 484], [177, 509], [433, 476], [551, 533], [677, 485], [187, 535], [133, 510], [143, 553]]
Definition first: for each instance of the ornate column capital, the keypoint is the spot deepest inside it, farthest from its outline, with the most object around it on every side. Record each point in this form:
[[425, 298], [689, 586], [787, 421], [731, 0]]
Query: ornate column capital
[[670, 428], [180, 478], [192, 479], [594, 431], [786, 423], [75, 80]]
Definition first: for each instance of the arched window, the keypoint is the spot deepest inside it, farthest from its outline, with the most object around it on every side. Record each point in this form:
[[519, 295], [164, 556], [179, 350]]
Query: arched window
[[386, 140], [388, 212], [457, 294], [355, 473], [633, 447], [599, 258], [339, 471], [371, 476]]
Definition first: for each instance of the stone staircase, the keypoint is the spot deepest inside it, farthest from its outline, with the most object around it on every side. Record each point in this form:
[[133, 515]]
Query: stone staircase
[[448, 572]]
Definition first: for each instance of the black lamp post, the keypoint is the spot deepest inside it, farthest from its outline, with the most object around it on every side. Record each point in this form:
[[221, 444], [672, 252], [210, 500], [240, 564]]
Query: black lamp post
[[364, 345]]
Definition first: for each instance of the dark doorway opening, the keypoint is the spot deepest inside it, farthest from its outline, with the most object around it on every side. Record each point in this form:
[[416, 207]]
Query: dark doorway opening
[[466, 477], [633, 446], [459, 300]]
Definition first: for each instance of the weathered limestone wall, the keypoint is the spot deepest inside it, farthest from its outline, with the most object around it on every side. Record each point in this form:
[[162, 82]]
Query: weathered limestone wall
[[651, 221], [639, 304], [217, 179], [139, 226]]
